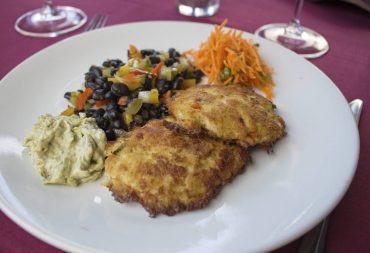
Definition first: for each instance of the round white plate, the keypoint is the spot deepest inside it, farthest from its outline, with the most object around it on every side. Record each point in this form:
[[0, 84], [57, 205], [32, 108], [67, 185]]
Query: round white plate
[[280, 196]]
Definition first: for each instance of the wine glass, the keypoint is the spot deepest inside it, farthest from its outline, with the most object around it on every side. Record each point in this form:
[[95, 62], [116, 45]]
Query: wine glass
[[50, 20], [302, 40]]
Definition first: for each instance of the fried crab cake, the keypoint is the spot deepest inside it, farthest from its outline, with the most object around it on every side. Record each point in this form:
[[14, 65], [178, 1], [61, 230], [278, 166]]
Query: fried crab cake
[[233, 113], [169, 171]]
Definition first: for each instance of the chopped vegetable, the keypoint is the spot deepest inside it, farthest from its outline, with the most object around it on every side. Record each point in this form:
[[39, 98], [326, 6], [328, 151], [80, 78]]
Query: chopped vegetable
[[165, 73], [68, 112], [150, 97], [131, 81], [134, 52], [157, 68], [115, 92], [82, 98], [134, 106], [230, 51], [138, 71], [124, 70], [106, 72], [127, 118], [101, 103], [73, 97], [113, 80]]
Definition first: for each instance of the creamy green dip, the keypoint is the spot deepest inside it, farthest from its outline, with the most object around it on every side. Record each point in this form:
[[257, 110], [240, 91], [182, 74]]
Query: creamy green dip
[[67, 150]]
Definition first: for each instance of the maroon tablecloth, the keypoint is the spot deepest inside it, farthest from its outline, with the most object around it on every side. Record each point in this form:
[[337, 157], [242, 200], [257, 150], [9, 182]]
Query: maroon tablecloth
[[346, 27]]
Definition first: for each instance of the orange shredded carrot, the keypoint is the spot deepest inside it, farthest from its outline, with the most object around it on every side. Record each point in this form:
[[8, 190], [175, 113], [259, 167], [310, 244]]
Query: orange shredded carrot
[[82, 98], [226, 58]]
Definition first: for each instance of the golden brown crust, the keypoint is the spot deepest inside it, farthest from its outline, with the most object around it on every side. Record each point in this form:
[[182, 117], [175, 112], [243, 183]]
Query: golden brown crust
[[168, 171], [232, 113]]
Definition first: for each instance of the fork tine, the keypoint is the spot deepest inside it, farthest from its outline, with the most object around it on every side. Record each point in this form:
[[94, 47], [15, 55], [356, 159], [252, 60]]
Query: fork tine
[[92, 23], [96, 22], [101, 22]]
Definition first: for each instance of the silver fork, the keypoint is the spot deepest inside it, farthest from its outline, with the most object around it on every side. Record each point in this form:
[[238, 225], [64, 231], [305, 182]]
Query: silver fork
[[96, 22]]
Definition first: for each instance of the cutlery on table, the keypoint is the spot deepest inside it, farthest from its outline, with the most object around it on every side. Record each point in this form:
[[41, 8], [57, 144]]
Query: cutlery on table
[[98, 21], [314, 240]]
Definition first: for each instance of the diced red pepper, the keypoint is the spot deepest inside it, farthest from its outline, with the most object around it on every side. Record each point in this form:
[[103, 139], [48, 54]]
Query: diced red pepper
[[82, 98], [138, 71], [157, 68], [101, 103]]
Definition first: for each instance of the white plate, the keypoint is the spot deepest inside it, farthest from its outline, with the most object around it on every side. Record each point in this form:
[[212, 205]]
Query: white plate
[[280, 196]]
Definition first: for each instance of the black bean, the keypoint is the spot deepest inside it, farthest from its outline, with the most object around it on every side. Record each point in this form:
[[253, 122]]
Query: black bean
[[147, 84], [111, 136], [106, 63], [113, 114], [102, 122], [169, 62], [96, 70], [110, 95], [146, 52], [138, 119], [146, 106], [92, 85], [99, 94], [118, 132], [154, 59], [106, 86], [154, 113], [90, 113], [160, 85], [177, 83], [144, 113], [118, 123], [100, 80], [116, 63], [89, 76], [99, 113], [111, 106], [198, 74], [172, 52], [67, 95], [120, 89], [167, 86], [113, 71], [132, 96], [163, 108]]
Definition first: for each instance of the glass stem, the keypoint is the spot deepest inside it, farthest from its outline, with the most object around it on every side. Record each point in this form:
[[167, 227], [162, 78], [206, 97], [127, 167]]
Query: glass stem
[[48, 9], [294, 26]]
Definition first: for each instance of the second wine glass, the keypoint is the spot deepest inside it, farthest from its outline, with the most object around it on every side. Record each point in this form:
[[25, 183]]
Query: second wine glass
[[50, 20], [294, 36]]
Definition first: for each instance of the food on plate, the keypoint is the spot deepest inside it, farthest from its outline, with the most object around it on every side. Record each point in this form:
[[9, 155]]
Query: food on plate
[[169, 171], [122, 96], [226, 58], [66, 150], [233, 113]]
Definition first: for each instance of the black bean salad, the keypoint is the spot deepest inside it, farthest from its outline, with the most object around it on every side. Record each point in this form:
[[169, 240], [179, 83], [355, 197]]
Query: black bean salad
[[122, 96]]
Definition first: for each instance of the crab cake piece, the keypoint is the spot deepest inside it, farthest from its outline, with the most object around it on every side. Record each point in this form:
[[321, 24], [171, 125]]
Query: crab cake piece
[[232, 113], [169, 171]]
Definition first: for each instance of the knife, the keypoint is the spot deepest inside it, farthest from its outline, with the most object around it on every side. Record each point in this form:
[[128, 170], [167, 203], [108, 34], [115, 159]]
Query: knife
[[314, 240]]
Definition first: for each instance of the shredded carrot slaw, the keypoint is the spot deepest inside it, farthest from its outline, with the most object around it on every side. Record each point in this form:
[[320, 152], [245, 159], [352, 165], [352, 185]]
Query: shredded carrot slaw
[[226, 57]]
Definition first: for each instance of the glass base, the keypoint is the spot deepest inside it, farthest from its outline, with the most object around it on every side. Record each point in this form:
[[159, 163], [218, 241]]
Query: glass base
[[62, 19], [198, 8], [301, 40]]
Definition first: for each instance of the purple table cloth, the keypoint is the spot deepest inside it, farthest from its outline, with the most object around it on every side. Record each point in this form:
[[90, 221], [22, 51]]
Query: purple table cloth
[[346, 27]]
